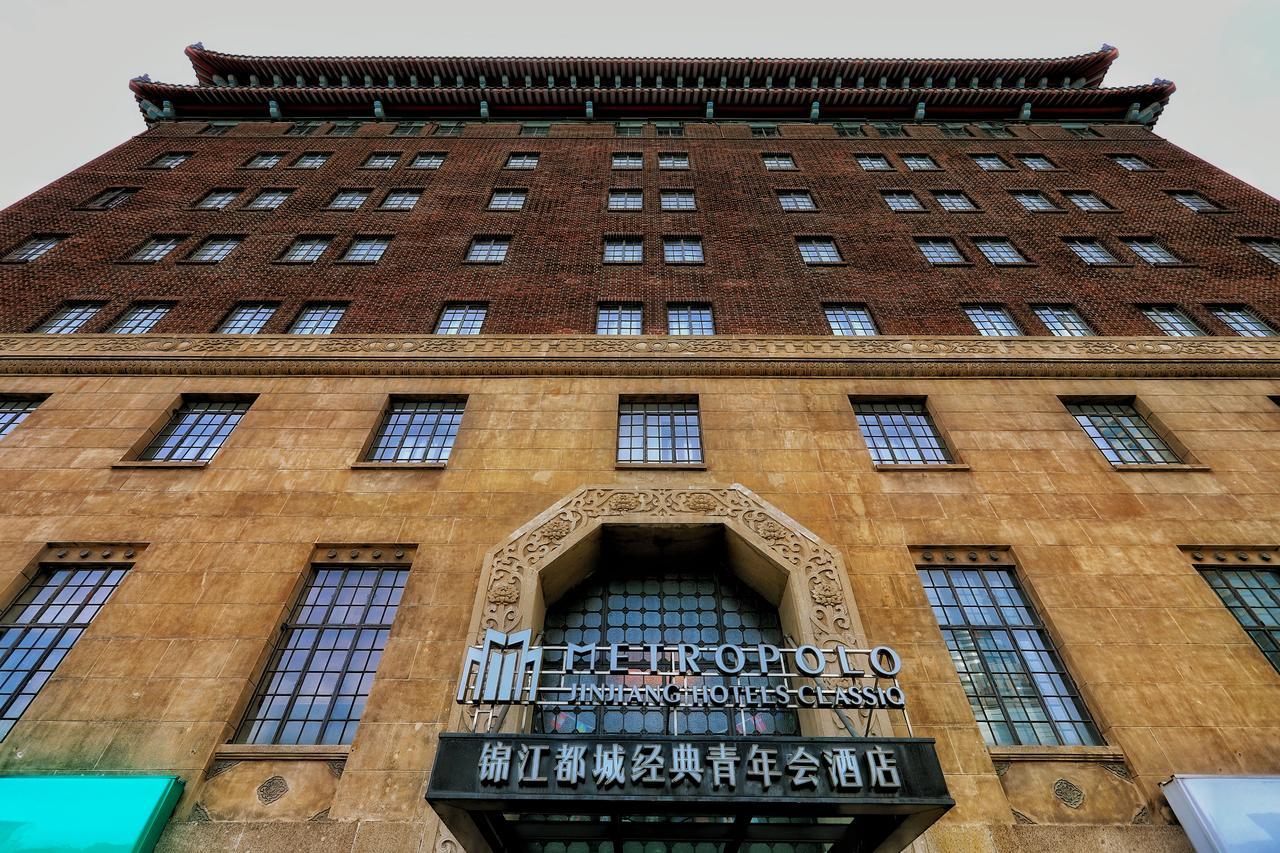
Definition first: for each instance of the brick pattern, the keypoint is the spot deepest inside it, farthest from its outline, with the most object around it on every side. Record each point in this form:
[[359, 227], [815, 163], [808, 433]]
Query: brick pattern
[[553, 276]]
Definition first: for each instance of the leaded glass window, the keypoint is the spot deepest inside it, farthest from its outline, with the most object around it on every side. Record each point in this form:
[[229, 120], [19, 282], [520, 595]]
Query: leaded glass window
[[508, 199], [366, 250], [623, 250], [248, 318], [850, 320], [675, 200], [417, 431], [31, 249], [626, 199], [488, 250], [902, 201], [38, 630], [796, 200], [196, 431], [673, 160], [1243, 321], [1018, 688], [703, 608], [1122, 434], [140, 318], [999, 251], [1086, 201], [462, 318], [689, 318], [661, 432], [381, 160], [268, 199], [901, 432], [318, 318], [778, 162], [305, 250], [155, 249], [1091, 251], [318, 678], [14, 410], [1172, 321], [401, 200], [682, 250], [993, 321], [1062, 321], [818, 250], [628, 160], [619, 318], [940, 250], [69, 318], [1253, 597]]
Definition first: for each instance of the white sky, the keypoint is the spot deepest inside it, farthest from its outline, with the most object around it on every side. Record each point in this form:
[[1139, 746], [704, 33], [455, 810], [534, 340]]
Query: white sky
[[67, 63]]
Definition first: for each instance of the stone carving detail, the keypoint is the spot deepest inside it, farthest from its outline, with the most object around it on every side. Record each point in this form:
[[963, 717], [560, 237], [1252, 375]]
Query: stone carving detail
[[336, 766], [1141, 817], [1019, 817], [448, 845], [199, 814], [319, 816], [272, 790], [219, 767], [1002, 767], [1071, 794], [580, 355], [509, 567], [1115, 768]]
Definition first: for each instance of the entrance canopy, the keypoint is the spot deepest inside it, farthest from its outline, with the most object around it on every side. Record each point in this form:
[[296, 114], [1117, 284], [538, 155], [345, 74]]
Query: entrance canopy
[[513, 792]]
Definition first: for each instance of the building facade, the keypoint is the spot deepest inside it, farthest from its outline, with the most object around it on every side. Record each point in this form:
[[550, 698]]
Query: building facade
[[702, 455]]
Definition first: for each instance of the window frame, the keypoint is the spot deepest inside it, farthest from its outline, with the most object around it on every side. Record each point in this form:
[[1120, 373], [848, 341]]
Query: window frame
[[451, 431], [695, 450], [891, 455], [1181, 457], [150, 450]]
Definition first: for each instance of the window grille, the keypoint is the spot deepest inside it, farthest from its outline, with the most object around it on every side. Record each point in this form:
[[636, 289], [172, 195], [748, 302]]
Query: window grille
[[217, 199], [214, 249], [305, 250], [939, 250], [682, 250], [1122, 434], [1253, 597], [901, 432], [417, 431], [687, 318], [31, 249], [796, 200], [248, 318], [850, 320], [626, 199], [14, 411], [155, 249], [902, 201], [623, 250], [619, 318], [463, 318], [819, 250], [1243, 321], [1172, 321], [1091, 251], [140, 318], [507, 199], [659, 432], [196, 431], [992, 321], [998, 251], [488, 250], [320, 318], [366, 250], [1062, 321], [269, 199], [69, 318]]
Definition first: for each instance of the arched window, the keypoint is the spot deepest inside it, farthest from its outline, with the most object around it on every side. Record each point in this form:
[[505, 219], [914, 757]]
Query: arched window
[[640, 609]]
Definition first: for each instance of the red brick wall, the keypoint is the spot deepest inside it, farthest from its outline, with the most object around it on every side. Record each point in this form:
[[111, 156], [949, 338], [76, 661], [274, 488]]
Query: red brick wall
[[553, 276]]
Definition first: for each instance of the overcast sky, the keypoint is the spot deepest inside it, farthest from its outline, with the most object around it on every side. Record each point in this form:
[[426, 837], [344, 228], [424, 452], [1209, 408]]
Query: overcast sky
[[67, 63]]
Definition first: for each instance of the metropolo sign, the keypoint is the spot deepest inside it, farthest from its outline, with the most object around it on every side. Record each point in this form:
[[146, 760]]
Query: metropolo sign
[[506, 670]]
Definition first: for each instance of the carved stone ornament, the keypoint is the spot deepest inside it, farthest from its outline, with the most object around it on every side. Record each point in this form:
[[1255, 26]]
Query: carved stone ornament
[[336, 767], [272, 790], [1118, 770], [219, 767], [1141, 817], [1001, 767], [438, 355], [814, 566], [199, 814], [1071, 794], [1019, 817], [319, 816]]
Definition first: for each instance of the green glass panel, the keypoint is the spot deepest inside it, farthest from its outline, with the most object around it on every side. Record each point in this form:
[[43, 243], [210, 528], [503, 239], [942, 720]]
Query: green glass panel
[[96, 814]]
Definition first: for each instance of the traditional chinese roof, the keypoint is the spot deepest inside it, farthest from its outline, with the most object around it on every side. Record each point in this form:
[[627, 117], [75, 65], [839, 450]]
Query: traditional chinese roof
[[230, 85]]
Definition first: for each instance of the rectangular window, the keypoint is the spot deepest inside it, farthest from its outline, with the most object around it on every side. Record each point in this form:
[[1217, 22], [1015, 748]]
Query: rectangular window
[[1036, 162], [1063, 321], [381, 160], [31, 249], [217, 199], [110, 198], [318, 318], [902, 201], [659, 432], [628, 128], [778, 162], [682, 250], [488, 250], [819, 250], [269, 199], [14, 410], [764, 129], [955, 130], [1172, 321], [1268, 247], [999, 251], [626, 199], [954, 201], [248, 318], [155, 249], [1131, 163], [849, 129], [344, 128], [690, 318], [677, 200], [196, 431], [1018, 688], [448, 128], [214, 249], [990, 163], [348, 199], [996, 130], [217, 128], [416, 431], [169, 160], [1080, 131], [408, 128], [535, 128], [302, 128], [1243, 321], [850, 321], [1122, 434], [1086, 201], [920, 163], [401, 200], [1194, 201], [1036, 202], [366, 250], [889, 129], [462, 318], [69, 318], [41, 626], [305, 250], [940, 250], [1253, 597], [796, 200], [1091, 251], [507, 199], [992, 321], [669, 128], [522, 160], [873, 163], [318, 677], [310, 160], [140, 318], [673, 160], [1151, 251], [627, 160], [623, 250], [428, 160], [267, 160], [619, 318], [900, 432]]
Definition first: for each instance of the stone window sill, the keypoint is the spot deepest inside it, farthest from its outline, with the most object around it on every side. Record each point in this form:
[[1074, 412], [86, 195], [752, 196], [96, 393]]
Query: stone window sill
[[1177, 467], [910, 466], [147, 463], [274, 752], [660, 466], [1100, 754], [396, 466]]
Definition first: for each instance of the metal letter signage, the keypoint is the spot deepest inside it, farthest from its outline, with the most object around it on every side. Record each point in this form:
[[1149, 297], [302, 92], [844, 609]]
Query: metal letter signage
[[502, 671]]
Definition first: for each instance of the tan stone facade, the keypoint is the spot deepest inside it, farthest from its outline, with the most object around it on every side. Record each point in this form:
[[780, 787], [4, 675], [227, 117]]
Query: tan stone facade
[[219, 551]]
